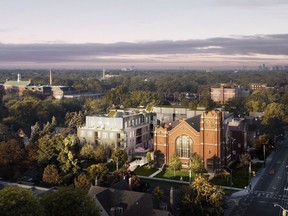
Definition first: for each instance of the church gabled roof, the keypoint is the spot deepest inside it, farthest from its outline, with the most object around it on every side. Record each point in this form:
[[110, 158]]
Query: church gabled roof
[[194, 122]]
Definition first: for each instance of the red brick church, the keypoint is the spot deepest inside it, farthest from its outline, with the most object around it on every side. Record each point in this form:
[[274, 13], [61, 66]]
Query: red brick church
[[200, 134]]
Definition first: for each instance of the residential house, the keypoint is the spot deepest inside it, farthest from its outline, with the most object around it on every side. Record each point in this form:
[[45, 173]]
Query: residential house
[[114, 202]]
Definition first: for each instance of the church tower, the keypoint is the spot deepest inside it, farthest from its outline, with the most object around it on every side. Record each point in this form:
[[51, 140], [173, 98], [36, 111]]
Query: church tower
[[210, 132]]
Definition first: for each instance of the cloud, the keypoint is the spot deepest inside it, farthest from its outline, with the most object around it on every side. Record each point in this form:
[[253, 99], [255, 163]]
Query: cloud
[[250, 3], [243, 48]]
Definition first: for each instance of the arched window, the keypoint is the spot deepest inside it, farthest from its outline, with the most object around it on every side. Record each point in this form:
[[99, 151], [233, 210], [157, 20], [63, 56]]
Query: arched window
[[184, 146]]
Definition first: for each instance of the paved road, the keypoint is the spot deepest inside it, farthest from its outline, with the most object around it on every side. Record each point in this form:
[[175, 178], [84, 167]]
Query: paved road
[[267, 189]]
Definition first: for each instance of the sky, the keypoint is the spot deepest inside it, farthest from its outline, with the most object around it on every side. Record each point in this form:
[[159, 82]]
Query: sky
[[147, 34]]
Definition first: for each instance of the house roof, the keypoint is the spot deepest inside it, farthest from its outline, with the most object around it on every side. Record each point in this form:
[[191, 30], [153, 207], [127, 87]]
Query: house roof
[[132, 203], [16, 83]]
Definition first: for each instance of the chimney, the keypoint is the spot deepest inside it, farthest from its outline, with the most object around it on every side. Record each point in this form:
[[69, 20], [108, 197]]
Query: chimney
[[50, 77]]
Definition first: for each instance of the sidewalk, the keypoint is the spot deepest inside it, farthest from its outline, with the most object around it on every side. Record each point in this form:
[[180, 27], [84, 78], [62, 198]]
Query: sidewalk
[[155, 173]]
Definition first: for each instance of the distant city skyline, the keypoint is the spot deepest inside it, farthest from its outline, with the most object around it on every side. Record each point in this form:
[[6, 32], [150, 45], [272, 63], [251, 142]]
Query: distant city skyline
[[146, 34]]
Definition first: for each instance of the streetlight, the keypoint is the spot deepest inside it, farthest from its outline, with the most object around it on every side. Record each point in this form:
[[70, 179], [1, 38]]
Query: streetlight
[[284, 211]]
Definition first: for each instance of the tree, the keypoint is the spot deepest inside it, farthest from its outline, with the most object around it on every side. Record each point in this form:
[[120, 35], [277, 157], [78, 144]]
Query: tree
[[47, 149], [32, 152], [74, 119], [135, 182], [149, 159], [175, 163], [100, 154], [157, 192], [258, 101], [87, 152], [69, 201], [209, 198], [275, 118], [245, 160], [15, 200], [259, 145], [159, 158], [119, 157], [197, 163], [35, 132], [82, 181], [51, 175], [67, 154], [98, 171], [186, 200], [11, 152]]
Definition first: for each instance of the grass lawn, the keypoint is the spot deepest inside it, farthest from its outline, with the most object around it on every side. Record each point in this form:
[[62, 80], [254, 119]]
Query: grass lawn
[[169, 174], [162, 184], [240, 177], [144, 171]]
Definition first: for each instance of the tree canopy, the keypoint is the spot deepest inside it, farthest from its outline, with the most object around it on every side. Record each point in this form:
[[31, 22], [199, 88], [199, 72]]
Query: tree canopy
[[15, 200], [69, 201]]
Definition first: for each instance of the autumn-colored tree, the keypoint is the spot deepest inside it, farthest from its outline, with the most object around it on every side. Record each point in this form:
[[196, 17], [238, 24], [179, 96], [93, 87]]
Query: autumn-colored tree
[[82, 181], [32, 152], [245, 161], [209, 198], [15, 200], [135, 182], [51, 175], [98, 171], [261, 141], [11, 151]]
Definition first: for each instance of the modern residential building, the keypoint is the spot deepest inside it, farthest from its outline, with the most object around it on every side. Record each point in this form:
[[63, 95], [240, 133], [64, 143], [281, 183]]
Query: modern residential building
[[228, 91], [127, 129], [166, 114], [201, 135]]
